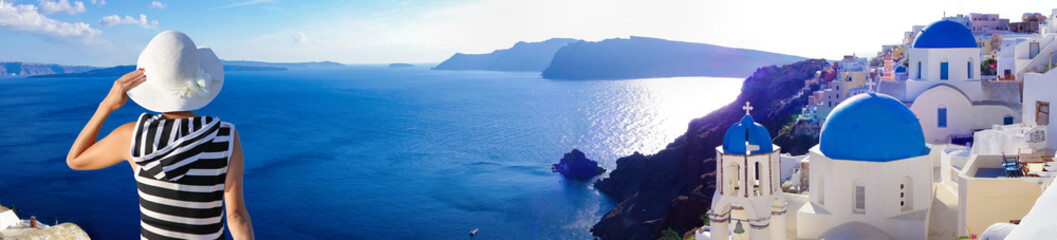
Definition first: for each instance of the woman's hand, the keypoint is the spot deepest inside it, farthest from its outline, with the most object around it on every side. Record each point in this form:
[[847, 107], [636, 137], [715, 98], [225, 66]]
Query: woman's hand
[[118, 96]]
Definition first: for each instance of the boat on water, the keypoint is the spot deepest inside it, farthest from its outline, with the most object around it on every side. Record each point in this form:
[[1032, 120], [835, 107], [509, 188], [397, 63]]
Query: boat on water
[[473, 232]]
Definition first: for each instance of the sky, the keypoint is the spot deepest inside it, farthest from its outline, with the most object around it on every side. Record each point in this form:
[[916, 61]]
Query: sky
[[113, 32]]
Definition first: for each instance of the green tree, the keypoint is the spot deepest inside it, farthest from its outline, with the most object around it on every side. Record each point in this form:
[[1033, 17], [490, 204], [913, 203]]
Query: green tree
[[670, 234]]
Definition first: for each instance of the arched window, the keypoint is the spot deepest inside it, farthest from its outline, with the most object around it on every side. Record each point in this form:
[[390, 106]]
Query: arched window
[[941, 117], [756, 191], [943, 70], [757, 171], [969, 69]]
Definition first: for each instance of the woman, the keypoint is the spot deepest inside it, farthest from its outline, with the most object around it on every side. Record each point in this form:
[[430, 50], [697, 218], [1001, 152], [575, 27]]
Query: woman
[[188, 168]]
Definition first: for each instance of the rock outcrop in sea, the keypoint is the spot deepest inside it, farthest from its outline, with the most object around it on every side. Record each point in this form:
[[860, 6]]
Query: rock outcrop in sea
[[522, 57], [673, 188], [642, 57], [575, 165]]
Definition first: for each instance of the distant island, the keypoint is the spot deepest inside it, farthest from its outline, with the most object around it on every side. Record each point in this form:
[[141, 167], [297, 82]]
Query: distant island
[[641, 57], [27, 68], [400, 65], [522, 57], [281, 65]]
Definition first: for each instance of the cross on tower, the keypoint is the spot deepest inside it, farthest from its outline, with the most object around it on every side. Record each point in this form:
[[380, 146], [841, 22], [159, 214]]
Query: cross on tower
[[869, 86], [747, 107]]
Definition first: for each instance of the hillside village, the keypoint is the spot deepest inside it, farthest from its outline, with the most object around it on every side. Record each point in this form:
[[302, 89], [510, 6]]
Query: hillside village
[[943, 136]]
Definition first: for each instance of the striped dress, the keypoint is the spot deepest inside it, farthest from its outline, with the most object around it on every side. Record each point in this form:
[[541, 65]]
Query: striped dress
[[182, 168]]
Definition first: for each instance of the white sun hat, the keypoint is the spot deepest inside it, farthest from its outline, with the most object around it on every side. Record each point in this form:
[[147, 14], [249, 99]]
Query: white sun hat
[[180, 76]]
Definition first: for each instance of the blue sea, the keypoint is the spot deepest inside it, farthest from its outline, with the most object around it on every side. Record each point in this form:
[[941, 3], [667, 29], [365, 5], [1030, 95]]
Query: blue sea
[[367, 152]]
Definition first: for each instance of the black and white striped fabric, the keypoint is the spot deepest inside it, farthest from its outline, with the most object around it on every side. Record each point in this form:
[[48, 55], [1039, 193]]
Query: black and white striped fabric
[[182, 168]]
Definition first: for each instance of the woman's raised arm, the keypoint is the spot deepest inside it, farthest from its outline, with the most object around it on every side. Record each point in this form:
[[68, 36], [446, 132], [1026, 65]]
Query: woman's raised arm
[[86, 153]]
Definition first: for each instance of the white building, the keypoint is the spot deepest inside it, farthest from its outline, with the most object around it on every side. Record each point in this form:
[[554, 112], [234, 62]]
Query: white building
[[1022, 54], [945, 90], [870, 173], [748, 202]]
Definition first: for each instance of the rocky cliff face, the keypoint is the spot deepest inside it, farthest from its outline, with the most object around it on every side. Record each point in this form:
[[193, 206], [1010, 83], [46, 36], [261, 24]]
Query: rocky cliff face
[[523, 56], [673, 188]]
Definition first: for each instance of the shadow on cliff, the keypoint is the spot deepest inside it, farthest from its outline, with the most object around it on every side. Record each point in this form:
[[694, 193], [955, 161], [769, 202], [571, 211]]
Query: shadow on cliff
[[673, 188]]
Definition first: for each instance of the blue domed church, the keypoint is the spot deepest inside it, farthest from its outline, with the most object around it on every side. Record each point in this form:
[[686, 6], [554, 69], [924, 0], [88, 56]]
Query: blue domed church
[[945, 89], [870, 173], [748, 202]]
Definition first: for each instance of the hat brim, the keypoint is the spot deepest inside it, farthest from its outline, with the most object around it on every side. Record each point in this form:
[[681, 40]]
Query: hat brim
[[157, 99]]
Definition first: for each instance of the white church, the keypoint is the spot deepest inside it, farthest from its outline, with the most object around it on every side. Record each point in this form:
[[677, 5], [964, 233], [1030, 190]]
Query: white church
[[870, 176], [870, 173], [945, 89]]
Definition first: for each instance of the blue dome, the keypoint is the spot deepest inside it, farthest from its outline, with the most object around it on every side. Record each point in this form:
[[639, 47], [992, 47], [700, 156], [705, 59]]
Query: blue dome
[[872, 127], [744, 133], [945, 34], [901, 69]]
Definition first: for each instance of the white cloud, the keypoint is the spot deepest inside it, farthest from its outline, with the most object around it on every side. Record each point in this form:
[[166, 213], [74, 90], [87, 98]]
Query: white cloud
[[98, 2], [63, 6], [300, 38], [157, 4], [116, 20], [27, 19]]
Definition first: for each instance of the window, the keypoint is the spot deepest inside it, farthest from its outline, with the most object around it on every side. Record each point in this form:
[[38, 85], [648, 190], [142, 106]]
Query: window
[[1007, 120], [1042, 113], [919, 69], [943, 71], [969, 69], [941, 117], [860, 199], [757, 171]]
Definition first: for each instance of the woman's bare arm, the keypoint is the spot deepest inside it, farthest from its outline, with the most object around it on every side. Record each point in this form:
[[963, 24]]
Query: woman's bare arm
[[86, 153], [238, 218]]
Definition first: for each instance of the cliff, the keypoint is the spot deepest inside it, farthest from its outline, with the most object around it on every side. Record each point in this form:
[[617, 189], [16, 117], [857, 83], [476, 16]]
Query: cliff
[[24, 68], [62, 231], [523, 56], [640, 57], [673, 188]]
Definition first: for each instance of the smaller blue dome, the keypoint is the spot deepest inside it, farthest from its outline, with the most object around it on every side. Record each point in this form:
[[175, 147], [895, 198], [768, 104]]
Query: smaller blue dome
[[945, 34], [901, 69], [744, 133], [872, 127]]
